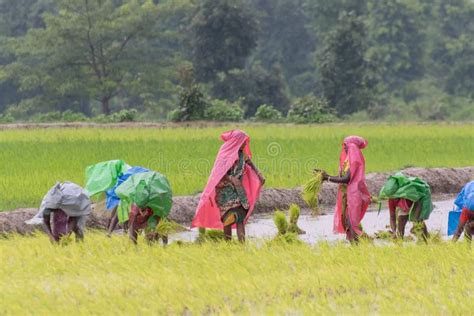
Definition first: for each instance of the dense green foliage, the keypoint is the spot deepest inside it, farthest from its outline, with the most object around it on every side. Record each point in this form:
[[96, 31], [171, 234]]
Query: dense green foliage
[[32, 160], [310, 109], [345, 73], [223, 34], [370, 59], [104, 276], [222, 110], [267, 113]]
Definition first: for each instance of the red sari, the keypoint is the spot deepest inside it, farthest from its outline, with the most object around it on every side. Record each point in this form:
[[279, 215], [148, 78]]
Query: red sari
[[357, 196]]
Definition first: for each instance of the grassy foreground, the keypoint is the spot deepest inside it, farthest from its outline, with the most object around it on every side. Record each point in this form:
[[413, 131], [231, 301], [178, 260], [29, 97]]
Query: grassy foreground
[[31, 161], [110, 276]]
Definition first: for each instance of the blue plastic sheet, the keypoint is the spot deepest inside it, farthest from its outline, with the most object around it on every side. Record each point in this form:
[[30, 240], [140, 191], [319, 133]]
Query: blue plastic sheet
[[112, 198], [453, 221], [465, 198]]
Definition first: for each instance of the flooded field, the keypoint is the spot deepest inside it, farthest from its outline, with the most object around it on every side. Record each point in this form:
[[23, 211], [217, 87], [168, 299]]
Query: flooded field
[[320, 227]]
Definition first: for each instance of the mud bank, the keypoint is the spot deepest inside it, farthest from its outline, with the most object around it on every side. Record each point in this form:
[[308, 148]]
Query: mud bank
[[441, 180]]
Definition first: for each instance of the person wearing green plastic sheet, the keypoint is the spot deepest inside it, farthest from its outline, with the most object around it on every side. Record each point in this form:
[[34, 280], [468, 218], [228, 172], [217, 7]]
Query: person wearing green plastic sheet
[[144, 219], [104, 177], [409, 199], [145, 200]]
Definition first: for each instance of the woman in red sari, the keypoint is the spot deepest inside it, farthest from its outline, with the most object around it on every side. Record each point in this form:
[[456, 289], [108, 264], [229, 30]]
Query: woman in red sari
[[232, 189], [353, 197]]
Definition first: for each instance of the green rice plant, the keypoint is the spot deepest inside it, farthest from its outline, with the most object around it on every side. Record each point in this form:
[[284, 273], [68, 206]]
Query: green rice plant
[[287, 232], [279, 218], [435, 237], [417, 230], [288, 238], [104, 276], [213, 235], [294, 212], [32, 160], [384, 235], [167, 227], [310, 193]]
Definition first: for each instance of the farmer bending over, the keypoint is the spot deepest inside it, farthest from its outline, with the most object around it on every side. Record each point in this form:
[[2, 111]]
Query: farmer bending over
[[409, 199], [64, 210], [145, 200], [144, 219], [465, 201]]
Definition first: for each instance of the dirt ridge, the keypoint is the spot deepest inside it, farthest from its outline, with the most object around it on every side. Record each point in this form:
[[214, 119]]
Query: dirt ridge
[[441, 180]]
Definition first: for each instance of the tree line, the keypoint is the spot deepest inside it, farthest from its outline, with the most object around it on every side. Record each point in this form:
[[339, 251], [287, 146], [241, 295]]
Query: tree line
[[305, 60]]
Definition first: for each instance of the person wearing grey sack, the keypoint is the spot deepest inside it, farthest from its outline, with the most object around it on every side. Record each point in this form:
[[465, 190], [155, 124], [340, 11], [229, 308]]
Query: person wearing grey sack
[[64, 210]]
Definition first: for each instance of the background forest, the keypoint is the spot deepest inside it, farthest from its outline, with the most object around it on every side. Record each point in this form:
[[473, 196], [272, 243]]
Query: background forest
[[304, 61]]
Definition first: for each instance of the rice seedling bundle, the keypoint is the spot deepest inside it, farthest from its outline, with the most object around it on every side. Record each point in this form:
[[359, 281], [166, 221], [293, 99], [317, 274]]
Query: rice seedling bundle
[[166, 227], [287, 231], [310, 192], [294, 213], [213, 235], [279, 218]]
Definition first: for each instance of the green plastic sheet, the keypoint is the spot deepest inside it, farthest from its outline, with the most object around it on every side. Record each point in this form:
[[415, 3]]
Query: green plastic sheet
[[147, 189], [103, 176], [399, 186]]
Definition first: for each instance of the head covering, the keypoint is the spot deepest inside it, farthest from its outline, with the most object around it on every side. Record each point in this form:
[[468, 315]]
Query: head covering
[[68, 197], [104, 175], [465, 198], [145, 189], [208, 213], [399, 186], [112, 199], [358, 196]]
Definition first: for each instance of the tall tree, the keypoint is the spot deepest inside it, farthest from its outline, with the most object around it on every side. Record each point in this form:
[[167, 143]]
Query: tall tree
[[255, 86], [223, 34], [345, 75], [286, 40], [16, 17], [396, 40], [325, 13], [91, 48], [454, 46]]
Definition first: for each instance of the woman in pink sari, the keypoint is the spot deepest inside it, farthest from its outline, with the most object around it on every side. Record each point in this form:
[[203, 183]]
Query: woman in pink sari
[[353, 197], [232, 189]]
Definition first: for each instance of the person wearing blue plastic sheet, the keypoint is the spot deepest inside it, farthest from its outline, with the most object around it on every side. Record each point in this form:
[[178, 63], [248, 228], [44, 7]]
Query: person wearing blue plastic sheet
[[465, 202], [113, 200]]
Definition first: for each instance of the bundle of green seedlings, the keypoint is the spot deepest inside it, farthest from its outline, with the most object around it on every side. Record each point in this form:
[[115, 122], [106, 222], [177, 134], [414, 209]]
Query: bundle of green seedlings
[[288, 231], [310, 192], [213, 235], [384, 235], [167, 227]]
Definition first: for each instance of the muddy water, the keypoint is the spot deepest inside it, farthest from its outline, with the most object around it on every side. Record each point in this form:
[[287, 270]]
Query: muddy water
[[320, 227]]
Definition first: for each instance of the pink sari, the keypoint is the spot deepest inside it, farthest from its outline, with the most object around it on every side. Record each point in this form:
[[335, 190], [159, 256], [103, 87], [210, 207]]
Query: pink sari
[[208, 213], [358, 196]]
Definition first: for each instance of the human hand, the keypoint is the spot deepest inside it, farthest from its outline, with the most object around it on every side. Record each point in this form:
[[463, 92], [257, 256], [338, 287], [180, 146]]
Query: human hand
[[324, 175], [374, 199]]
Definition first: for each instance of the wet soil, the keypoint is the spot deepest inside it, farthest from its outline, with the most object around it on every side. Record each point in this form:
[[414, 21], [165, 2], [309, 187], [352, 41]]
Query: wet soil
[[319, 228]]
